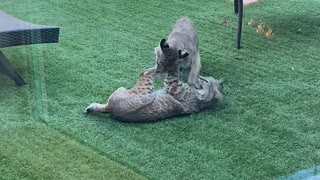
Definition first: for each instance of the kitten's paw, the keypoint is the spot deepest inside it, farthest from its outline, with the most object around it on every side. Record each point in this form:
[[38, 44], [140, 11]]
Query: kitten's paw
[[149, 72], [87, 110], [196, 85], [90, 108]]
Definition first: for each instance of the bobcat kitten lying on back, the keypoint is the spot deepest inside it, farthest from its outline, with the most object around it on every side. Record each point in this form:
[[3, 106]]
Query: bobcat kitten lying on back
[[142, 104], [181, 48], [139, 104]]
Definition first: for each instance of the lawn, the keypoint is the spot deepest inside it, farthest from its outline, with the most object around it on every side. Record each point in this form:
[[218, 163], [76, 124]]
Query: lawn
[[267, 127]]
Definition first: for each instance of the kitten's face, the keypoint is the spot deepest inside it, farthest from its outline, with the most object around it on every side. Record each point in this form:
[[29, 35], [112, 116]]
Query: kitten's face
[[168, 56], [217, 88], [165, 59]]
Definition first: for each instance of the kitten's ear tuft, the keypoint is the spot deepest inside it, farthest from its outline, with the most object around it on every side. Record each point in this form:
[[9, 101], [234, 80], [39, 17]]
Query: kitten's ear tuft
[[164, 44], [221, 81], [183, 54]]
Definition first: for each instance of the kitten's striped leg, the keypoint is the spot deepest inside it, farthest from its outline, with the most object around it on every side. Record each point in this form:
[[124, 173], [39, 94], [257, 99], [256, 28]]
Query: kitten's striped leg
[[96, 107]]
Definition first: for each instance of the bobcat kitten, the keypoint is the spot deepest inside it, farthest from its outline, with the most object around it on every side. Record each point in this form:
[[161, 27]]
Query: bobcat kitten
[[181, 48], [142, 104]]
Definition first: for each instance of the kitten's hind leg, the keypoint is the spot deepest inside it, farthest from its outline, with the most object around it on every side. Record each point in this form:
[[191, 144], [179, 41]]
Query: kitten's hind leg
[[96, 107]]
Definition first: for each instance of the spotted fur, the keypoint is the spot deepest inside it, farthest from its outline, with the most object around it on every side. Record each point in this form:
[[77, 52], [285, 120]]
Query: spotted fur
[[142, 104]]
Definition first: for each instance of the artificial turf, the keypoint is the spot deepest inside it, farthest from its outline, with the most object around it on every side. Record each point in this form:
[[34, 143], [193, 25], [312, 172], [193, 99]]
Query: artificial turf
[[268, 126]]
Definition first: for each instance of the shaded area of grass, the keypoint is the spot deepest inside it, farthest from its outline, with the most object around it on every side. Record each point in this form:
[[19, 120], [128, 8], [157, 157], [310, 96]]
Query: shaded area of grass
[[267, 127], [34, 151], [30, 149]]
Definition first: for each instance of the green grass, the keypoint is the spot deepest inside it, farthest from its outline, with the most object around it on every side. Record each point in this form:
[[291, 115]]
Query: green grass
[[268, 126]]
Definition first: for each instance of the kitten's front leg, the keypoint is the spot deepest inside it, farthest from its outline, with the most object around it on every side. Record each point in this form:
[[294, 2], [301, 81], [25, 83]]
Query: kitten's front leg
[[97, 107], [194, 81], [194, 73]]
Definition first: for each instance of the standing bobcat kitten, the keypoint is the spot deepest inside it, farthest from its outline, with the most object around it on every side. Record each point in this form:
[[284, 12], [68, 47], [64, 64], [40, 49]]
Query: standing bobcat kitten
[[142, 104], [181, 48]]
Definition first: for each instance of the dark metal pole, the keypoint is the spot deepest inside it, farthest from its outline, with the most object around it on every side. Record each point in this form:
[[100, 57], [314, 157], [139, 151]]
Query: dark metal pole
[[239, 12]]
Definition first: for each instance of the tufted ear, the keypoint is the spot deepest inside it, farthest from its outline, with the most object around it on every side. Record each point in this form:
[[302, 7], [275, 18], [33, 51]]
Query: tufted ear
[[221, 81], [163, 44], [183, 54]]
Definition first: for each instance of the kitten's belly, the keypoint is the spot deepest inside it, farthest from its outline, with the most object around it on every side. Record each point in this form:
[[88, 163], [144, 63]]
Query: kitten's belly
[[164, 106]]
